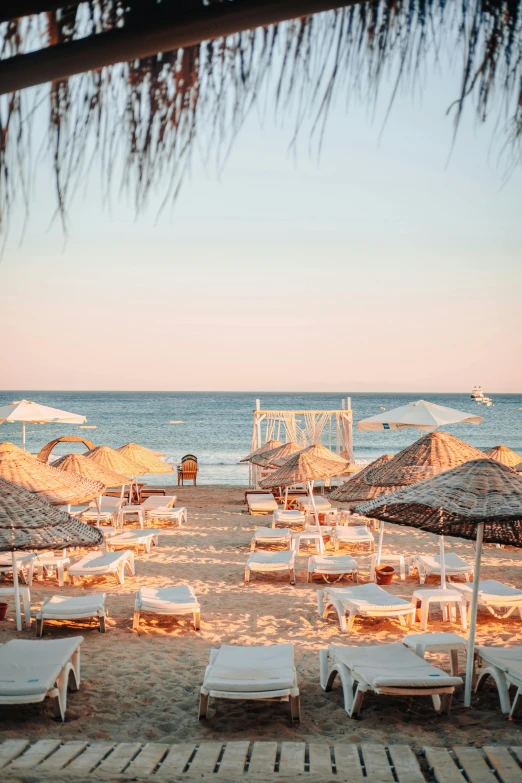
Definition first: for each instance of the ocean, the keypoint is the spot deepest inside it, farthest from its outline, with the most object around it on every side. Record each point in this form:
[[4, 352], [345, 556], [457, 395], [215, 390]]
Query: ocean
[[217, 426]]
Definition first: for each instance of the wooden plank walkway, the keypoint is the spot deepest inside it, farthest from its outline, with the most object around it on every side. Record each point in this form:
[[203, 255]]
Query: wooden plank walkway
[[50, 760]]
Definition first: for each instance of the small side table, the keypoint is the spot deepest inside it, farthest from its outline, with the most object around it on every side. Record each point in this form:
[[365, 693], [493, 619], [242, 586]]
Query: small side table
[[389, 560], [48, 562], [308, 536], [447, 599], [438, 642], [125, 510], [25, 600]]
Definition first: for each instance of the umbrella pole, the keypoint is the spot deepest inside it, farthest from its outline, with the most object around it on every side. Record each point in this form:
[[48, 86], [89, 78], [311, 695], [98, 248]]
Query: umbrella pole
[[316, 515], [16, 594], [379, 545], [473, 619], [98, 508], [23, 434], [286, 497], [442, 558]]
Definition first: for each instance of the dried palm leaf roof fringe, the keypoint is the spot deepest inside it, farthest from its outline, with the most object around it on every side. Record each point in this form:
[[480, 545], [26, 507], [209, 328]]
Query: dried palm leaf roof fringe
[[155, 108]]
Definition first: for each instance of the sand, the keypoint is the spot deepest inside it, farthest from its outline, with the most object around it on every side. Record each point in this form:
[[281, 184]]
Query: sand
[[145, 686]]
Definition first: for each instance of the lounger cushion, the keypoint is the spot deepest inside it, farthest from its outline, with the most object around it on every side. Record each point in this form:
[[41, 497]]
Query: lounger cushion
[[252, 669], [390, 665], [288, 515], [161, 501], [165, 599], [365, 597], [353, 534], [453, 562], [271, 561], [132, 536], [490, 589], [320, 503], [261, 503], [271, 532], [97, 563], [333, 564], [62, 606], [30, 668]]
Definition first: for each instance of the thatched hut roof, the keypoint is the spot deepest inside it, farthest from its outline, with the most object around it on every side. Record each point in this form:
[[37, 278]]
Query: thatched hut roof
[[268, 446], [81, 466], [113, 460], [44, 453], [356, 489], [202, 64], [28, 522], [310, 464], [51, 484], [145, 458], [276, 457], [504, 455], [454, 502]]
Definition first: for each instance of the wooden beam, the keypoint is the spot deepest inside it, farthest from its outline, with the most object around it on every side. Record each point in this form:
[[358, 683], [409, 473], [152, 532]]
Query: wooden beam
[[164, 31]]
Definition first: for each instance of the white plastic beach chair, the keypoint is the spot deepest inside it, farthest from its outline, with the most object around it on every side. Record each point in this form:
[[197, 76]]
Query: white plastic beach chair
[[23, 562], [367, 600], [177, 516], [270, 536], [336, 566], [288, 518], [271, 562], [108, 513], [259, 673], [305, 504], [428, 565], [260, 503], [499, 599], [388, 669], [177, 600], [145, 538], [58, 607], [102, 564], [504, 666], [33, 669], [346, 535], [150, 504]]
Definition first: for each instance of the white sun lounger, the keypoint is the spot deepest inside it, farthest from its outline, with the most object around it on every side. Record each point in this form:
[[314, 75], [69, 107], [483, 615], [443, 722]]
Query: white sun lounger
[[388, 669], [500, 599], [353, 536], [237, 672], [58, 607], [332, 566], [150, 504], [504, 666], [100, 564], [288, 518], [270, 535], [367, 600], [167, 600], [177, 516], [305, 504], [268, 562], [427, 565], [260, 504], [146, 538], [33, 669]]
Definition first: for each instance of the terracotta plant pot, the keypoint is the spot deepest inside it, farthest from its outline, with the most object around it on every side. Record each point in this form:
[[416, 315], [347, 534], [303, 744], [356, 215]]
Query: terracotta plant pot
[[3, 611], [384, 574]]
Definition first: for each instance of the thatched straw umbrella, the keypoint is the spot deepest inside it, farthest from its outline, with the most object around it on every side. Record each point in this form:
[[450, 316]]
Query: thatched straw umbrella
[[143, 450], [81, 466], [119, 463], [504, 455], [306, 466], [145, 458], [357, 488], [277, 456], [54, 486], [268, 446], [28, 522], [6, 447], [480, 500]]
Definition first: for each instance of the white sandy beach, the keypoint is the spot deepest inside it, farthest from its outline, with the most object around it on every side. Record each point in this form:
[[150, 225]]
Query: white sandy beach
[[146, 686]]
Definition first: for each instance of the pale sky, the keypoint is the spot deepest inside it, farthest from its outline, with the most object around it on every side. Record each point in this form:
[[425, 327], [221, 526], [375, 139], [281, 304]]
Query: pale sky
[[389, 263]]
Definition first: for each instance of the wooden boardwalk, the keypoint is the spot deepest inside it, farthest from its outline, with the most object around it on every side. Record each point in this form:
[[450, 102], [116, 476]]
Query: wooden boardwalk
[[48, 760]]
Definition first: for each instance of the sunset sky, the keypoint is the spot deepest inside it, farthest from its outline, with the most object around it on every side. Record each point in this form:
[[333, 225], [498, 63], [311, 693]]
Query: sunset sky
[[388, 263]]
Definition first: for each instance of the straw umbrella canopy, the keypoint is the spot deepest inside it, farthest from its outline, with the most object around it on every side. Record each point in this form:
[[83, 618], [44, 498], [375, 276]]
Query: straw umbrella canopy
[[6, 447], [306, 466], [145, 458], [421, 415], [480, 500], [54, 486], [27, 522], [81, 466], [114, 460], [504, 455], [26, 412], [144, 450], [357, 488], [277, 456], [270, 444]]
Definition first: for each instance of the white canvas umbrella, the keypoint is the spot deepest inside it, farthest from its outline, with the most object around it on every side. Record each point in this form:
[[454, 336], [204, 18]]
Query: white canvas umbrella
[[421, 415], [32, 413]]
